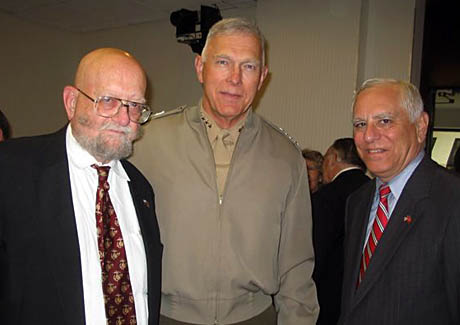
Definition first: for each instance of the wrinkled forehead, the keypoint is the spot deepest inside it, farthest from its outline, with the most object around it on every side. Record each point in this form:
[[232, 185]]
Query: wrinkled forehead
[[231, 38], [378, 100]]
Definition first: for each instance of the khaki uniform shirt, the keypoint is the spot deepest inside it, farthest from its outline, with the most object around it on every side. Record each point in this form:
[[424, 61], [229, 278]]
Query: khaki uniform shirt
[[223, 143]]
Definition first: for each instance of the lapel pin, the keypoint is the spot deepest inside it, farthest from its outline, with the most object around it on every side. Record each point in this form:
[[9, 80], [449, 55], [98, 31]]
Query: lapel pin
[[408, 219], [146, 203]]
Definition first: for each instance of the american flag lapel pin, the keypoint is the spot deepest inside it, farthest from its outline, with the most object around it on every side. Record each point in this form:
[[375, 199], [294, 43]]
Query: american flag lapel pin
[[146, 203], [408, 219]]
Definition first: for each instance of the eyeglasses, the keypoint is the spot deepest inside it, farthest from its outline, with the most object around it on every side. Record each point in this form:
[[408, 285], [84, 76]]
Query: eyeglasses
[[107, 106]]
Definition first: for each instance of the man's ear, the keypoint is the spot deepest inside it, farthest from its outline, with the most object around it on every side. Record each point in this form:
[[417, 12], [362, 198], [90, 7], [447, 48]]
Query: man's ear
[[199, 67], [263, 75], [69, 95], [337, 157], [421, 126]]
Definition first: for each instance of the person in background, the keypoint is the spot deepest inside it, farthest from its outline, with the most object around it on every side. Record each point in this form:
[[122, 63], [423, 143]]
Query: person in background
[[314, 161], [343, 173], [402, 228], [79, 240], [232, 197], [5, 128]]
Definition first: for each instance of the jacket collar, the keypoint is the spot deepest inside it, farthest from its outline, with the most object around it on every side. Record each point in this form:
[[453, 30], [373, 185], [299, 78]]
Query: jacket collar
[[55, 208]]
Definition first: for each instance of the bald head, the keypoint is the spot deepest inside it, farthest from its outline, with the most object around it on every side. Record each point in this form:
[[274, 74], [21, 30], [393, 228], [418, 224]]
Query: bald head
[[97, 64]]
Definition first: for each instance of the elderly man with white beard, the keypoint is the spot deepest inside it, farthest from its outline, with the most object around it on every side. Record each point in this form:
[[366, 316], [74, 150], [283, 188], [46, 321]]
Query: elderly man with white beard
[[79, 240]]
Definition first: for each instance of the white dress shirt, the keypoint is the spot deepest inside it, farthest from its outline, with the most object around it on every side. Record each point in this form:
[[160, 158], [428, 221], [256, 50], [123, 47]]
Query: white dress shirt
[[84, 182]]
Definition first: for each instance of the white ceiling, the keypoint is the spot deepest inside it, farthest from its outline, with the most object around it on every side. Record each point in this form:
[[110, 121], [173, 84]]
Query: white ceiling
[[91, 15]]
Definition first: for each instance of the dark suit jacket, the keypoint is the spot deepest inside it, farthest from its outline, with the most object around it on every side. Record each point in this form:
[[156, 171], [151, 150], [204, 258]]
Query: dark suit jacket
[[328, 206], [40, 270], [414, 275]]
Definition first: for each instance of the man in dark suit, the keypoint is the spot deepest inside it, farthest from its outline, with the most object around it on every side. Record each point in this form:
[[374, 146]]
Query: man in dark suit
[[343, 173], [402, 229], [58, 264]]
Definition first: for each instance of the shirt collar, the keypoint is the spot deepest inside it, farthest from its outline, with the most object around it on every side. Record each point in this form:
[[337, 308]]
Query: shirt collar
[[398, 182], [343, 171], [82, 159]]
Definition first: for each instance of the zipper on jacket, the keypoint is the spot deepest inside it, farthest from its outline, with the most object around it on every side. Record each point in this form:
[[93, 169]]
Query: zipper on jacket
[[221, 202], [218, 224]]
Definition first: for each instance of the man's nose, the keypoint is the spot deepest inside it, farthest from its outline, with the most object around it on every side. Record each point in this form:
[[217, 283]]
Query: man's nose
[[235, 75], [122, 117], [371, 133]]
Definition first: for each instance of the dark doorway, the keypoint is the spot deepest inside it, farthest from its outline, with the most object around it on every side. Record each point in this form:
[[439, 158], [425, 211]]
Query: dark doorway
[[440, 68]]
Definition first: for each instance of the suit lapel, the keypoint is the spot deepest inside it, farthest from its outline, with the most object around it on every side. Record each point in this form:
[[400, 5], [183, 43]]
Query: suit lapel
[[403, 219], [145, 209], [144, 205], [362, 218], [56, 215]]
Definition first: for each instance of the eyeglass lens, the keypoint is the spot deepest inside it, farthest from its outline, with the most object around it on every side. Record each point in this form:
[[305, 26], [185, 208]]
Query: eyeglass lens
[[109, 106]]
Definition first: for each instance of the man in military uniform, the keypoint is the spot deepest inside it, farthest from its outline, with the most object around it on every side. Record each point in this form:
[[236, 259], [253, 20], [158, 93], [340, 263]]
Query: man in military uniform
[[232, 197]]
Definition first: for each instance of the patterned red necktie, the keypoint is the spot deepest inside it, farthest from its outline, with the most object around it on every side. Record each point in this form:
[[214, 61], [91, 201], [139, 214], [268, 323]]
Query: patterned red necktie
[[380, 222], [116, 284]]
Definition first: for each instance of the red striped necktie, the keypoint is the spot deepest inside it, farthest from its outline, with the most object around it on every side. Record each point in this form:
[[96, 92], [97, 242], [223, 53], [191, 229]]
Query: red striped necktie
[[378, 227]]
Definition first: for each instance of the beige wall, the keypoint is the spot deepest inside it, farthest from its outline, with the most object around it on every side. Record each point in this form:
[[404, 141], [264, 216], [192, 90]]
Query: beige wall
[[35, 63], [386, 38], [318, 50], [313, 62]]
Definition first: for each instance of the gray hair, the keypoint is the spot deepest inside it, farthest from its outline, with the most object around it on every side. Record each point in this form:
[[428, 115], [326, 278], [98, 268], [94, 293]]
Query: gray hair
[[229, 26], [410, 98]]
